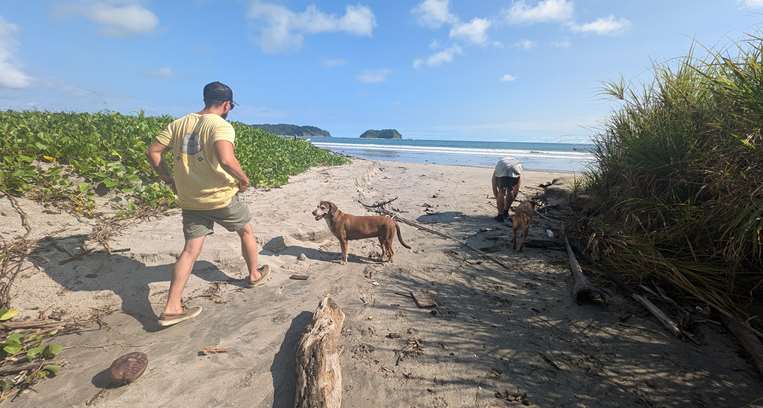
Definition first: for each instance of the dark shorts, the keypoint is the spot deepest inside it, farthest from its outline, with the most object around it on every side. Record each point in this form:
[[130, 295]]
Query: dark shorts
[[506, 182], [199, 223]]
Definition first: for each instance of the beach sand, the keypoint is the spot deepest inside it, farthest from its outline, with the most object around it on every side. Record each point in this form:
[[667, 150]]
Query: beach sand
[[500, 337]]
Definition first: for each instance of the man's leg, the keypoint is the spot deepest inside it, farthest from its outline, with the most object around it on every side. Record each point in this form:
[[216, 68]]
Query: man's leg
[[180, 274], [496, 194], [249, 251]]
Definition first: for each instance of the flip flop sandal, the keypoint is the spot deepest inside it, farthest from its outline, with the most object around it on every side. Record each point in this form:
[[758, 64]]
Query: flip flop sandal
[[128, 368], [264, 275], [175, 318]]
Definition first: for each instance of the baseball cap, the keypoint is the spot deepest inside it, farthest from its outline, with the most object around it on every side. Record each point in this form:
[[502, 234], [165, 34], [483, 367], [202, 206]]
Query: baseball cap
[[218, 92]]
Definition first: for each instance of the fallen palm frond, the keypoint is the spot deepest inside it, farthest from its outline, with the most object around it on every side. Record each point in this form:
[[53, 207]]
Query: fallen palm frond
[[677, 182]]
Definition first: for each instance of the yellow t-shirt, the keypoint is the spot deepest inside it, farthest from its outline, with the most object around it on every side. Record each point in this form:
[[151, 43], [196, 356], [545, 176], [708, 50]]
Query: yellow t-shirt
[[201, 182]]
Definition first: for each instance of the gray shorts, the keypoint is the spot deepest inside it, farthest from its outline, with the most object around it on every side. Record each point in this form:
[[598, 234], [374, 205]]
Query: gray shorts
[[199, 223]]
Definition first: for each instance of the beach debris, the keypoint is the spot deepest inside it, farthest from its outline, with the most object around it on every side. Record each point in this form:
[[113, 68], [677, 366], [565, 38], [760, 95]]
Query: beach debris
[[128, 368], [299, 277], [393, 335], [582, 290], [663, 318], [412, 348], [548, 359], [276, 244], [212, 350], [513, 396], [302, 257], [319, 374], [747, 339], [423, 300]]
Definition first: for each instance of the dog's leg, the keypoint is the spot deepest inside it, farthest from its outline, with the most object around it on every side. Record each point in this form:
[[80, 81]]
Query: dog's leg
[[526, 230], [383, 250], [345, 249], [514, 238], [390, 251]]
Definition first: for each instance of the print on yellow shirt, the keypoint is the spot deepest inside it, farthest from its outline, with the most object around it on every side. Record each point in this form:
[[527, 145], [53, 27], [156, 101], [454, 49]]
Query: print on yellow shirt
[[201, 182]]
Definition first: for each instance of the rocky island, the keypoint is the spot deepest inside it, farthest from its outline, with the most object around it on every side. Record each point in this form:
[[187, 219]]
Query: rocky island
[[293, 130], [381, 134]]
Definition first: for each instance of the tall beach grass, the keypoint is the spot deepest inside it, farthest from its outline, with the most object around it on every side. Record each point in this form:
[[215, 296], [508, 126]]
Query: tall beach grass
[[678, 180]]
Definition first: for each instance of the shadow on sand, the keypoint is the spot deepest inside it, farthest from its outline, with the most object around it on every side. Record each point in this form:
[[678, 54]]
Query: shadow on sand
[[127, 278]]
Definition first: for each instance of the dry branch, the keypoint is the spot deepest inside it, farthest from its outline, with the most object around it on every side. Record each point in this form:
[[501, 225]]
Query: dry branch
[[582, 289], [747, 339], [319, 374]]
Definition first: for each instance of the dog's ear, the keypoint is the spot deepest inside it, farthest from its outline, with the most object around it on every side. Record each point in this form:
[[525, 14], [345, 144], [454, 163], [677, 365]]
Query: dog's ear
[[332, 208]]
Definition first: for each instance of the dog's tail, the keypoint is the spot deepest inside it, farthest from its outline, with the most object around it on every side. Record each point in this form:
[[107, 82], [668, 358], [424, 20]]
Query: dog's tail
[[400, 237]]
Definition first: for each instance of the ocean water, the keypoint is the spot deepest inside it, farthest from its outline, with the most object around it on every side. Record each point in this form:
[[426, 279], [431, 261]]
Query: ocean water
[[534, 156]]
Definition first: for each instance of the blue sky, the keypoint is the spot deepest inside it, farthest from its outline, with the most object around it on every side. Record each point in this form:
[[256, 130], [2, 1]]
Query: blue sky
[[497, 70]]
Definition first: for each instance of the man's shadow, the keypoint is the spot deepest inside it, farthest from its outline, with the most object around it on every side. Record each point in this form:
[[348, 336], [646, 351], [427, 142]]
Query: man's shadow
[[126, 277]]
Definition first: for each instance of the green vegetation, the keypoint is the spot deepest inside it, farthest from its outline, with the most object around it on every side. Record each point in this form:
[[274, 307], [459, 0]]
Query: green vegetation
[[25, 356], [65, 158], [677, 181]]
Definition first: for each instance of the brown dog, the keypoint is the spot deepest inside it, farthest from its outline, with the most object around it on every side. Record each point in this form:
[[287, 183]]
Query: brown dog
[[523, 216], [347, 227]]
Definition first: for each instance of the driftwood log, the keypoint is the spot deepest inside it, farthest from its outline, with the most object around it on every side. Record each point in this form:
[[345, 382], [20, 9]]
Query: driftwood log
[[666, 321], [582, 289], [747, 339], [319, 375]]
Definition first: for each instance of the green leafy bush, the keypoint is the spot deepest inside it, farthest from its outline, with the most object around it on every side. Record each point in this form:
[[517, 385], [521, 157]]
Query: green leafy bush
[[64, 158]]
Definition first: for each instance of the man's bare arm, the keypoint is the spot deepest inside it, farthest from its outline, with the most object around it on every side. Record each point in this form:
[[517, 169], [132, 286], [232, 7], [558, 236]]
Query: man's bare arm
[[154, 154], [229, 163]]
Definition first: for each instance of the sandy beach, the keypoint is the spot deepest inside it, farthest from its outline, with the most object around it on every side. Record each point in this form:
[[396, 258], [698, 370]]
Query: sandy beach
[[500, 337]]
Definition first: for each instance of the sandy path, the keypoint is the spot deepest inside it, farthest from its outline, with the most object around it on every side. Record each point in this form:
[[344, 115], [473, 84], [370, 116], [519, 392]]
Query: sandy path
[[510, 334]]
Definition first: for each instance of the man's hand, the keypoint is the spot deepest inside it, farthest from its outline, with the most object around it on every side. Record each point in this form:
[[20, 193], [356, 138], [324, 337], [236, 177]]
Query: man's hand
[[243, 184], [154, 154], [230, 164]]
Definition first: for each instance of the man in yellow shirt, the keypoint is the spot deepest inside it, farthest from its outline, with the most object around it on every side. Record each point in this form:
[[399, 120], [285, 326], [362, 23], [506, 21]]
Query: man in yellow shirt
[[207, 178]]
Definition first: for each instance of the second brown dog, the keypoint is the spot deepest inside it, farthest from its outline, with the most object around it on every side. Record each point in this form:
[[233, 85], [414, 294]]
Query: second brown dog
[[520, 221], [348, 227]]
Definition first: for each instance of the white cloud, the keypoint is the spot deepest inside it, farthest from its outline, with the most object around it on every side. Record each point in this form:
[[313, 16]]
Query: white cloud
[[751, 4], [475, 31], [434, 13], [163, 73], [119, 19], [374, 76], [434, 45], [605, 25], [497, 44], [11, 75], [525, 44], [438, 58], [542, 12], [281, 29], [333, 62], [508, 78]]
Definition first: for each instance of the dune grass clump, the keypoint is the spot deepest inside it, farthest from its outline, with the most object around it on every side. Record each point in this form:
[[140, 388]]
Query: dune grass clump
[[678, 180]]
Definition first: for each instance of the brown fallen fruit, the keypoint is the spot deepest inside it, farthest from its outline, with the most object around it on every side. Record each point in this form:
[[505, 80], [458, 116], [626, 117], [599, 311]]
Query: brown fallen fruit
[[128, 368]]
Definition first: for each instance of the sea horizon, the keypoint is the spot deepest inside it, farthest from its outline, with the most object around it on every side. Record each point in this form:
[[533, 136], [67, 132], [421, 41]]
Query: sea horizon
[[535, 156]]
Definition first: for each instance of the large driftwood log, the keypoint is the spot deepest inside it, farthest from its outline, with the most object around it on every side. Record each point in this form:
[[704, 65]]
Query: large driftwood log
[[582, 290], [319, 375], [747, 339]]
